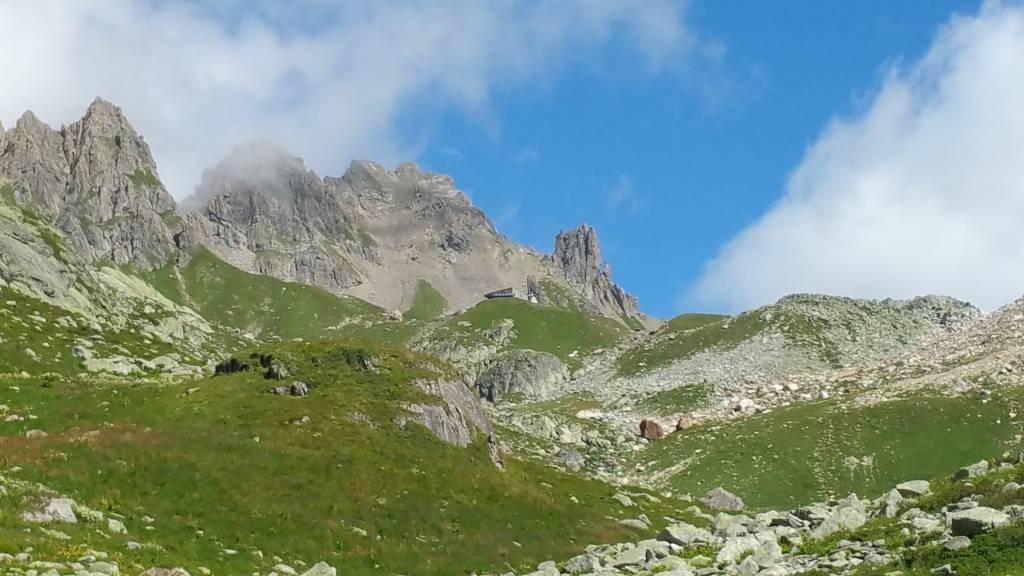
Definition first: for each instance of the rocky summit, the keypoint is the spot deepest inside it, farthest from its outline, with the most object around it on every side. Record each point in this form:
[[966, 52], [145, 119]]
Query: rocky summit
[[293, 374], [375, 233]]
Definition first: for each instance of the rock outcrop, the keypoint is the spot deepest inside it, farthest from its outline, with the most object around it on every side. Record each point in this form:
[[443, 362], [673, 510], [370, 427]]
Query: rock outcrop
[[577, 257], [457, 418], [265, 212], [522, 372], [96, 182]]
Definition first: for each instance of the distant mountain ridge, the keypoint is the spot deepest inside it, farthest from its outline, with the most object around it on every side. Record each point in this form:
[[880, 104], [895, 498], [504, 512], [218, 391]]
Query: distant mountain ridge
[[372, 233]]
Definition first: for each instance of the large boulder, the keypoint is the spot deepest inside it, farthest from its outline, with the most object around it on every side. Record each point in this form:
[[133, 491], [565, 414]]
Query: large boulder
[[522, 372], [583, 564], [632, 558], [736, 548], [849, 514], [890, 504], [56, 509], [722, 500], [972, 471], [651, 430], [321, 569], [914, 488], [684, 534], [845, 518], [974, 521]]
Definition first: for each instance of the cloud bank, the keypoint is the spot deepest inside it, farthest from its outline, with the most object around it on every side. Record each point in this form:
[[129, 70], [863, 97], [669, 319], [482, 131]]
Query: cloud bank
[[327, 80], [923, 192]]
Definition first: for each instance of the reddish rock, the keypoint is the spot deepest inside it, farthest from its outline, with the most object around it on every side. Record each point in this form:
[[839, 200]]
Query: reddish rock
[[651, 430]]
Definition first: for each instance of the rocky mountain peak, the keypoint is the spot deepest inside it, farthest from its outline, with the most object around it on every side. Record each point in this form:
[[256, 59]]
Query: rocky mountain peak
[[577, 256], [29, 122], [256, 168], [112, 169], [263, 210], [378, 190], [578, 253], [95, 181]]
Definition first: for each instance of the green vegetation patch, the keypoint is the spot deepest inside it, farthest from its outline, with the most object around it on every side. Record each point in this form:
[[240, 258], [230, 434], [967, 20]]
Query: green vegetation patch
[[814, 451], [686, 335], [427, 304], [568, 405], [7, 194], [561, 296], [684, 398], [144, 178], [37, 337], [222, 463], [259, 304], [567, 334]]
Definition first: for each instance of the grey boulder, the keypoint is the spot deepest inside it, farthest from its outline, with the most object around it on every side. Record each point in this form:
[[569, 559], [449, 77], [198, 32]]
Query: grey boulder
[[721, 499], [974, 521]]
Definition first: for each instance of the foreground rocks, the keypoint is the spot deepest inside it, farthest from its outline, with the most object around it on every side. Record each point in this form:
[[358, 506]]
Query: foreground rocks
[[821, 538]]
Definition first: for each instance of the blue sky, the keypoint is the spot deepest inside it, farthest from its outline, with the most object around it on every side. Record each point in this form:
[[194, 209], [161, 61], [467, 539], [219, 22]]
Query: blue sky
[[699, 168], [729, 153]]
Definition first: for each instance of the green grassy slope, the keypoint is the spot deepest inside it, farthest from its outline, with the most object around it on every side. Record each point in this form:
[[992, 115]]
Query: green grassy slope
[[799, 454], [255, 303], [427, 304], [220, 463], [542, 328], [50, 333], [689, 334]]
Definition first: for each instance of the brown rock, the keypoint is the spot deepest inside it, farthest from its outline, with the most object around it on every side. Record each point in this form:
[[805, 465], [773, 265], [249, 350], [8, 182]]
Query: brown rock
[[651, 430]]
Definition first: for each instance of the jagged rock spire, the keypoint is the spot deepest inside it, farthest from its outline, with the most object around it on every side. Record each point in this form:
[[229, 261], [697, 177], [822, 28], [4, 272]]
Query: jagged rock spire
[[95, 181], [578, 256]]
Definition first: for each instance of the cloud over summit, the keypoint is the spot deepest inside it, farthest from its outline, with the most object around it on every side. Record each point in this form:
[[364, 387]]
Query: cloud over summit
[[328, 81]]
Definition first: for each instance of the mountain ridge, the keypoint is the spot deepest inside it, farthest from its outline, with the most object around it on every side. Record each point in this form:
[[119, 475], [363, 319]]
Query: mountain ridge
[[372, 233]]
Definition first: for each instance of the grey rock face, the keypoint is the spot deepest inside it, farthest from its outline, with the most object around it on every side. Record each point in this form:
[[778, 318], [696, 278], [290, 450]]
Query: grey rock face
[[532, 374], [262, 210], [374, 233], [96, 182], [457, 419], [577, 256]]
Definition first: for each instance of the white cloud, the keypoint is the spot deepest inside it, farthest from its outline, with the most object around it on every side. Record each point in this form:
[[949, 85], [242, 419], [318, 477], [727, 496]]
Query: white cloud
[[326, 80], [921, 193], [622, 197], [526, 156]]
